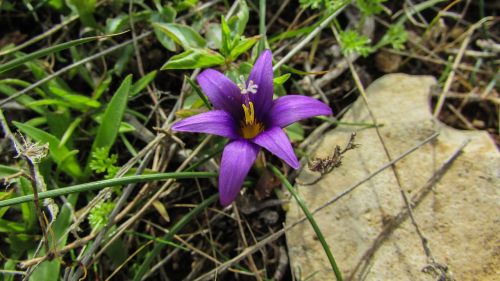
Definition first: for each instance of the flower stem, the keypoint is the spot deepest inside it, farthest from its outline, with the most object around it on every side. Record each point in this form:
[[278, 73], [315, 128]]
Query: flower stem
[[311, 219]]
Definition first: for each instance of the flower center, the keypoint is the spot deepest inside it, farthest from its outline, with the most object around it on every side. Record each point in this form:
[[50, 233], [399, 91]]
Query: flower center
[[250, 126]]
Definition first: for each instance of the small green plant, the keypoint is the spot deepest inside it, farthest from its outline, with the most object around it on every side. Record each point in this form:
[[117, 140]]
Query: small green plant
[[102, 162], [314, 4], [370, 7], [395, 36], [353, 42], [98, 217], [328, 5]]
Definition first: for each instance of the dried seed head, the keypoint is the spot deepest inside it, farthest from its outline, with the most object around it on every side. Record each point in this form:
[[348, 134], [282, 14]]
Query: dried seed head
[[35, 152]]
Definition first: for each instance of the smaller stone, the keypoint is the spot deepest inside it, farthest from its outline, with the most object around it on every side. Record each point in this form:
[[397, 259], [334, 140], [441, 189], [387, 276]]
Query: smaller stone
[[387, 62]]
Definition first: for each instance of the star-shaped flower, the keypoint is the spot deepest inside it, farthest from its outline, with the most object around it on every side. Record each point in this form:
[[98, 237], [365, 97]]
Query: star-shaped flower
[[247, 114]]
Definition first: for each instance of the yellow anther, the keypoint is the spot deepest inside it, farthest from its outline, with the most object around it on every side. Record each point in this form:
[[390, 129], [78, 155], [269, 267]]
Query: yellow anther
[[249, 113]]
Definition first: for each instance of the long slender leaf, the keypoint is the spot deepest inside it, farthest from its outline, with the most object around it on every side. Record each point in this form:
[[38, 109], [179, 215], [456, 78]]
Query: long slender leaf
[[194, 58], [243, 46], [7, 170], [183, 35], [138, 86], [106, 183], [311, 220], [24, 100], [112, 118]]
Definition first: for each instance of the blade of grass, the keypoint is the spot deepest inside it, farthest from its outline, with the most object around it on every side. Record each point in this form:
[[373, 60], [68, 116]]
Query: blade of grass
[[108, 130], [69, 131], [47, 51], [106, 183], [142, 83], [311, 219], [168, 237], [23, 100]]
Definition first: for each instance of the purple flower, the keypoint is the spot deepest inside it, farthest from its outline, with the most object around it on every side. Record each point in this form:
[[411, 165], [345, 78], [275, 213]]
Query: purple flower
[[247, 114]]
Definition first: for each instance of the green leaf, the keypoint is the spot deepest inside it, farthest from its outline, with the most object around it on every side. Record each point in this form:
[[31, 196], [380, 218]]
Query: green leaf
[[9, 264], [68, 164], [122, 21], [56, 4], [37, 121], [165, 14], [98, 217], [243, 46], [182, 5], [396, 36], [226, 37], [27, 209], [353, 42], [7, 170], [108, 130], [295, 132], [112, 118], [238, 23], [370, 7], [168, 43], [81, 70], [66, 136], [182, 34], [44, 102], [123, 128], [74, 100], [214, 36], [85, 9], [138, 86], [7, 226], [194, 58], [58, 122], [311, 220], [280, 80], [293, 33], [102, 87], [23, 99]]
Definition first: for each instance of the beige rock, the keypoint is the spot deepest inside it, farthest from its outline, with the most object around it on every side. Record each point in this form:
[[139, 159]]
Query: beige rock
[[460, 217]]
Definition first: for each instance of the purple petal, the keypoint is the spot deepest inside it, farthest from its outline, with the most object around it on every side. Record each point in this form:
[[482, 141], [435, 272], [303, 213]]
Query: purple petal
[[216, 122], [292, 108], [276, 142], [262, 76], [237, 159], [221, 91]]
